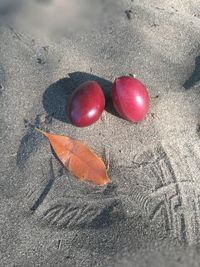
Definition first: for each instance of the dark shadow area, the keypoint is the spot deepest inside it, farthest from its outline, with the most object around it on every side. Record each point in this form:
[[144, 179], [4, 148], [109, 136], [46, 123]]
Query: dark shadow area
[[195, 76], [110, 214], [57, 95], [31, 140], [28, 145]]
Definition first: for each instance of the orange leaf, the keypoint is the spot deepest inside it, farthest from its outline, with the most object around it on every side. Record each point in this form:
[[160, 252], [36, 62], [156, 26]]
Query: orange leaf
[[78, 159]]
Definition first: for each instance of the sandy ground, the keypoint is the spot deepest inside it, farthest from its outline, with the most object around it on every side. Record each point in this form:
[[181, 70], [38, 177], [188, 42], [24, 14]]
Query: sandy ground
[[150, 214]]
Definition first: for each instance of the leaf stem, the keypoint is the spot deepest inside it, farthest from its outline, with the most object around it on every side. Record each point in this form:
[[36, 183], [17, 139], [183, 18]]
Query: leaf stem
[[40, 131]]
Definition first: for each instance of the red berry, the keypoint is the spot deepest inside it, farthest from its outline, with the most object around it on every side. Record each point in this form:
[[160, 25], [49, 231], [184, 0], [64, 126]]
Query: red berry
[[130, 98], [86, 104]]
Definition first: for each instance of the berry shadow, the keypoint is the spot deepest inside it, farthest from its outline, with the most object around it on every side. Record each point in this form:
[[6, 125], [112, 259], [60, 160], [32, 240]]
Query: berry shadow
[[195, 76], [56, 97]]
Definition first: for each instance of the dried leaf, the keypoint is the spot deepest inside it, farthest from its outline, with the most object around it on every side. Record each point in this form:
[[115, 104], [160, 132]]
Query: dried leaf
[[78, 159]]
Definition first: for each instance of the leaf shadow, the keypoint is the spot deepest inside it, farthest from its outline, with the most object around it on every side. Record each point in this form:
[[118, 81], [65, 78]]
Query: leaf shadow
[[51, 177], [195, 76], [28, 145], [31, 140]]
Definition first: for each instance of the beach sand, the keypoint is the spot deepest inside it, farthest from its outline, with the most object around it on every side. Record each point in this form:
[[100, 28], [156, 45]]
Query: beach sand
[[150, 214]]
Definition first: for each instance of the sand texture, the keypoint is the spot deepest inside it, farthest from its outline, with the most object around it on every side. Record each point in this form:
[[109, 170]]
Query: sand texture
[[150, 214]]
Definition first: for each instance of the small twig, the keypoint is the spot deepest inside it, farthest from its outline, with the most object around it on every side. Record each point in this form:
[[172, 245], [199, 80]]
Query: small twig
[[40, 131]]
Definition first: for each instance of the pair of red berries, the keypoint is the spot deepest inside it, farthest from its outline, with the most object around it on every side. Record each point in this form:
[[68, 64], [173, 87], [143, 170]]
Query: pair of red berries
[[129, 96]]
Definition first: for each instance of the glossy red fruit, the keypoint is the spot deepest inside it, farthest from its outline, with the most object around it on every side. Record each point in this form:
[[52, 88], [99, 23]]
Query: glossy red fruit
[[86, 104], [130, 98]]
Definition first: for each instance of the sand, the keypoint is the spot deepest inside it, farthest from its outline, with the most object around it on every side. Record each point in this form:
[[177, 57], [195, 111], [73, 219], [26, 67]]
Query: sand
[[150, 214]]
